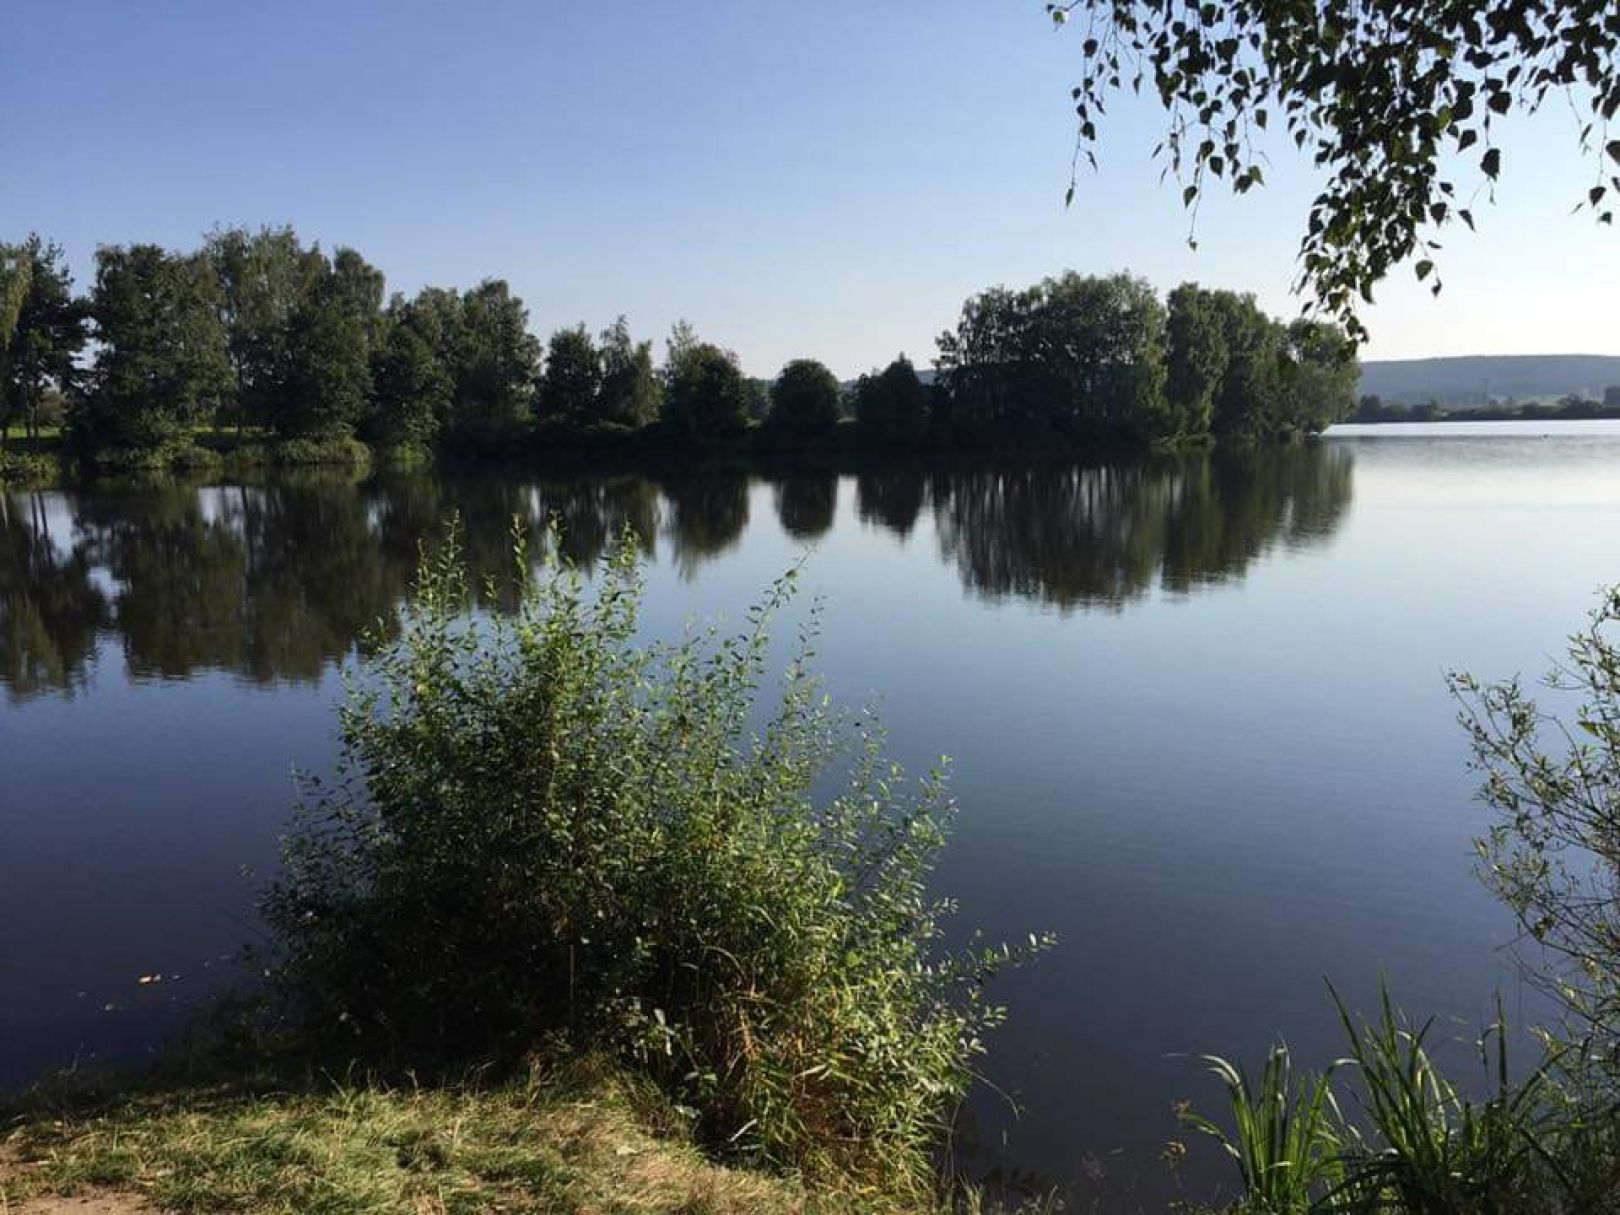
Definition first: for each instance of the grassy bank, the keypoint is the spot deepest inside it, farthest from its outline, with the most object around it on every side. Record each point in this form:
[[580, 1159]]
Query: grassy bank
[[582, 1141]]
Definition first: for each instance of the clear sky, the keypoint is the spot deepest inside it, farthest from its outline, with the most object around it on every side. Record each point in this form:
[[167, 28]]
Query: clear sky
[[828, 178]]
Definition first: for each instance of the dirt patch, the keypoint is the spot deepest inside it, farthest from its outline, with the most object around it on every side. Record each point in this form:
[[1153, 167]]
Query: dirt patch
[[86, 1204]]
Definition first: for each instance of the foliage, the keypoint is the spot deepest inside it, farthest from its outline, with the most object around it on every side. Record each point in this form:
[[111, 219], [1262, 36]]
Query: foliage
[[1074, 355], [494, 360], [630, 389], [411, 391], [1385, 95], [1285, 1136], [572, 384], [1548, 1144], [42, 331], [324, 387], [705, 396], [1100, 359], [546, 829], [1553, 853], [892, 408], [1437, 1152], [310, 353], [1196, 359], [263, 277], [161, 364], [804, 400]]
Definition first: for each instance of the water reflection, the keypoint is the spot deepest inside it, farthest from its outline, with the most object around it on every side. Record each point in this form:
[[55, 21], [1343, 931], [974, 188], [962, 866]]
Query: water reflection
[[1101, 536], [276, 581]]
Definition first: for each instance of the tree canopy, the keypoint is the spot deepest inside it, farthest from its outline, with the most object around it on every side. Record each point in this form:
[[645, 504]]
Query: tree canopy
[[162, 364], [285, 342], [42, 329], [706, 396], [1397, 101], [804, 399]]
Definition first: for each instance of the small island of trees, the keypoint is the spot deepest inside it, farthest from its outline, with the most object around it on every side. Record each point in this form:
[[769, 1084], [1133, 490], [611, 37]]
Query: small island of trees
[[259, 341]]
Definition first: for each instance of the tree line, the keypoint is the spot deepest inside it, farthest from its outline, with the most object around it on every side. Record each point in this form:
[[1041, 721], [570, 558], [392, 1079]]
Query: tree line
[[257, 330], [1572, 407]]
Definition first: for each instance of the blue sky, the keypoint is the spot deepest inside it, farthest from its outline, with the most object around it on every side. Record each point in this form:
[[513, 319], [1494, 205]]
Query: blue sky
[[826, 179]]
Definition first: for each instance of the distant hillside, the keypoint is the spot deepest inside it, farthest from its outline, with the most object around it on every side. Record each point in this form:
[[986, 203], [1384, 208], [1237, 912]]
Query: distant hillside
[[1477, 379]]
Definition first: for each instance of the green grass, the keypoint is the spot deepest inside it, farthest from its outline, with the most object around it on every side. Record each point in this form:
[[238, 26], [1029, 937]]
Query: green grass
[[1283, 1139], [545, 1144], [579, 1140]]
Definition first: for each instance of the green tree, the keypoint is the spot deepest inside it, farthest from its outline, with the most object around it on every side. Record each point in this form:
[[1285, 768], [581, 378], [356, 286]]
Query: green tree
[[263, 278], [1075, 355], [40, 346], [891, 408], [630, 389], [1195, 357], [324, 384], [1611, 397], [706, 396], [1246, 403], [161, 365], [359, 288], [1319, 377], [411, 391], [495, 360], [571, 388], [1381, 94], [804, 400]]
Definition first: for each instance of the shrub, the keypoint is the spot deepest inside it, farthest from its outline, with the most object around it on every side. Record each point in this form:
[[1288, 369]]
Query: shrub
[[544, 829], [1553, 853]]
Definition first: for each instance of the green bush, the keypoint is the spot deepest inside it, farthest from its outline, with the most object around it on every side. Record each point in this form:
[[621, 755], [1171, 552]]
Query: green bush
[[547, 830]]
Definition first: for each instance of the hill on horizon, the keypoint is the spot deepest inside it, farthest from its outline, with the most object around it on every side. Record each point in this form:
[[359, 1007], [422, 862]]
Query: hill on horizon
[[1479, 379]]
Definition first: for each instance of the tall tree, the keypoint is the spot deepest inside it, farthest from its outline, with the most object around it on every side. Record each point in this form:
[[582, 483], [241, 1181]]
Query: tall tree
[[1386, 95], [360, 287], [324, 383], [46, 333], [706, 398], [495, 361], [411, 391], [804, 400], [1075, 356], [1320, 375], [630, 388], [1195, 358], [571, 388], [263, 278], [892, 407], [161, 366], [1246, 403]]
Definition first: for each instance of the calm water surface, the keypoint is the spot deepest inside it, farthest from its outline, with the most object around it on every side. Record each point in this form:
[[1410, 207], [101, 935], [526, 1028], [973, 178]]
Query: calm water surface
[[1195, 707]]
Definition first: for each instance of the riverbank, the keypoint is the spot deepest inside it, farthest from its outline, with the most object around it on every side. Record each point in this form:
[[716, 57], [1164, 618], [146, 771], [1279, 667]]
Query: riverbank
[[565, 1140], [553, 1142]]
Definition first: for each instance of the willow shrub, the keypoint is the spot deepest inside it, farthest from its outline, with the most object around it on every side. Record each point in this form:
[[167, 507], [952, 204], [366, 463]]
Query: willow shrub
[[546, 830]]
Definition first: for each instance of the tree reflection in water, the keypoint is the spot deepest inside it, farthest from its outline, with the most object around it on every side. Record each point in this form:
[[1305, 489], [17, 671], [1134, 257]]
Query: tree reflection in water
[[277, 581]]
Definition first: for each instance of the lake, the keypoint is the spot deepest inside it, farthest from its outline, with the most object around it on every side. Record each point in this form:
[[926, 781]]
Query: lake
[[1195, 708]]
